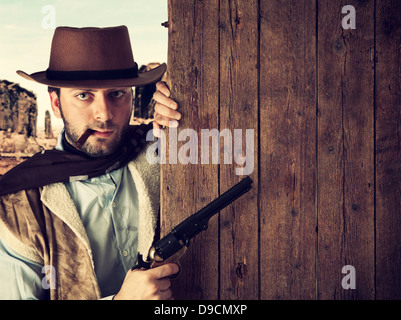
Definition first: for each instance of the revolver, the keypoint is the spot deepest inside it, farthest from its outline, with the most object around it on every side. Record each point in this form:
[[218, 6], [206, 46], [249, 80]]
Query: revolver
[[173, 246]]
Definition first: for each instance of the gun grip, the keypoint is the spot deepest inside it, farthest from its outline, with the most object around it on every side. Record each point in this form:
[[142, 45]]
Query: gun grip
[[172, 259]]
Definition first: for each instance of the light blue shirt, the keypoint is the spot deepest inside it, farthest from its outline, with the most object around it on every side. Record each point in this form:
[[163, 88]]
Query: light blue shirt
[[108, 207]]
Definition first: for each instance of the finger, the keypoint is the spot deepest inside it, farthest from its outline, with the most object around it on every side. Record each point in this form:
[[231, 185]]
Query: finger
[[162, 87], [167, 112], [156, 129], [175, 275], [166, 295], [158, 96], [164, 270], [164, 284], [164, 121]]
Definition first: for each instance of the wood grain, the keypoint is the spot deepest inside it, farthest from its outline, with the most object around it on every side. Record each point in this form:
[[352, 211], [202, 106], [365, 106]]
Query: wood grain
[[287, 150], [388, 149], [186, 188], [324, 104], [239, 264], [345, 151]]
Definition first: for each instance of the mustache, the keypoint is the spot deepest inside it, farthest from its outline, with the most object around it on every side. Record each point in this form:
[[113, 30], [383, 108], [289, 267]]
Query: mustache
[[99, 125]]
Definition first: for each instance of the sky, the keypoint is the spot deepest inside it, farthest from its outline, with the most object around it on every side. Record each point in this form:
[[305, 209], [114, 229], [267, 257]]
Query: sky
[[27, 27]]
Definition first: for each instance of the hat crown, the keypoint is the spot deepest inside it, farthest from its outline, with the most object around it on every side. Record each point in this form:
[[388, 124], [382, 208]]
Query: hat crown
[[93, 58], [91, 49]]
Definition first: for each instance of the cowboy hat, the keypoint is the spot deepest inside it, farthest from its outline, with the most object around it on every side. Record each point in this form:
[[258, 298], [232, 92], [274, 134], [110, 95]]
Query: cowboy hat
[[93, 58]]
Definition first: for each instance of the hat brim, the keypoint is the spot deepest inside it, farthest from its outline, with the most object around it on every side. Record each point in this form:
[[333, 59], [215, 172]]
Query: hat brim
[[143, 78]]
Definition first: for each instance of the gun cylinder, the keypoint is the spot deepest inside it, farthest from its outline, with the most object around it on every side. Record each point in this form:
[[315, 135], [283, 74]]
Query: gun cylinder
[[153, 255]]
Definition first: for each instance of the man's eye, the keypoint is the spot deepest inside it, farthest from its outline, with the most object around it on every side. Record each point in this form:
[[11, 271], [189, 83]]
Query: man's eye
[[82, 96], [117, 94]]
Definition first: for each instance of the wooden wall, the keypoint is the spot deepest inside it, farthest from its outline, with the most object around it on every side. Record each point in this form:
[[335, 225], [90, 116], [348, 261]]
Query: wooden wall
[[325, 106]]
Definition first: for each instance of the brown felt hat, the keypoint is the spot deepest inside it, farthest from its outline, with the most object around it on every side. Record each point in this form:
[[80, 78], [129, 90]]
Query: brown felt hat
[[93, 58]]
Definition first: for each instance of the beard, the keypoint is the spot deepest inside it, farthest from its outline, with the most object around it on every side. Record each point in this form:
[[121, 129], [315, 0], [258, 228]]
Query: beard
[[96, 147]]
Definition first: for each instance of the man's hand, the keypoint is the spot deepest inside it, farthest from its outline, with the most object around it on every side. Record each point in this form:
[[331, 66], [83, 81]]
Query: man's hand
[[165, 109], [151, 284]]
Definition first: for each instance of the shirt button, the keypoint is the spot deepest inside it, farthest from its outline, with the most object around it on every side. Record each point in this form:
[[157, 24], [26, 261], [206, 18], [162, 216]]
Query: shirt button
[[125, 253], [113, 204]]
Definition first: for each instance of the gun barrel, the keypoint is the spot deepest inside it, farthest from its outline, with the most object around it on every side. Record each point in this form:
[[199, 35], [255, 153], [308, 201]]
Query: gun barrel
[[198, 222], [221, 202]]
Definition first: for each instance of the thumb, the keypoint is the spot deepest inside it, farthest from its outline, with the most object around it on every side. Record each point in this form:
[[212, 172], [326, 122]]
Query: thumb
[[165, 270]]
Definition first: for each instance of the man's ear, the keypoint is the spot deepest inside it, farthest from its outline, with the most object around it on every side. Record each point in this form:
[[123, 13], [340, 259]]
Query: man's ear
[[55, 103]]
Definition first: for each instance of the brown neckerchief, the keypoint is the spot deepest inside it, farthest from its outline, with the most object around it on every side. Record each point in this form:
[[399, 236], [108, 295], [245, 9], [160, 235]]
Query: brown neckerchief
[[53, 165]]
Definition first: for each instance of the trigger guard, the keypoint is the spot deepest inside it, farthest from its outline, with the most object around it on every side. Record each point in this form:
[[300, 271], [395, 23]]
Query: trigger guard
[[141, 263]]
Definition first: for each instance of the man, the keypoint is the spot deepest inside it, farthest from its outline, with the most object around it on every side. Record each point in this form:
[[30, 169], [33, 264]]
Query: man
[[72, 220]]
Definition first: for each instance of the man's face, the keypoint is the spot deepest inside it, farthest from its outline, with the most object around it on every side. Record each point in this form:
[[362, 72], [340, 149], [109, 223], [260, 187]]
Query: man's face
[[106, 111]]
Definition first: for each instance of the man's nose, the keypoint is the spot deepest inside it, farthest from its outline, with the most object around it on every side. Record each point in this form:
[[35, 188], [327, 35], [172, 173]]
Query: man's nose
[[103, 109]]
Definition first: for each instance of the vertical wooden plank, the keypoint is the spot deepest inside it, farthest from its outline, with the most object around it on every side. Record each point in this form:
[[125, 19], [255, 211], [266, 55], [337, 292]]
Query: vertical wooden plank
[[287, 155], [345, 150], [186, 188], [239, 111], [388, 149]]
